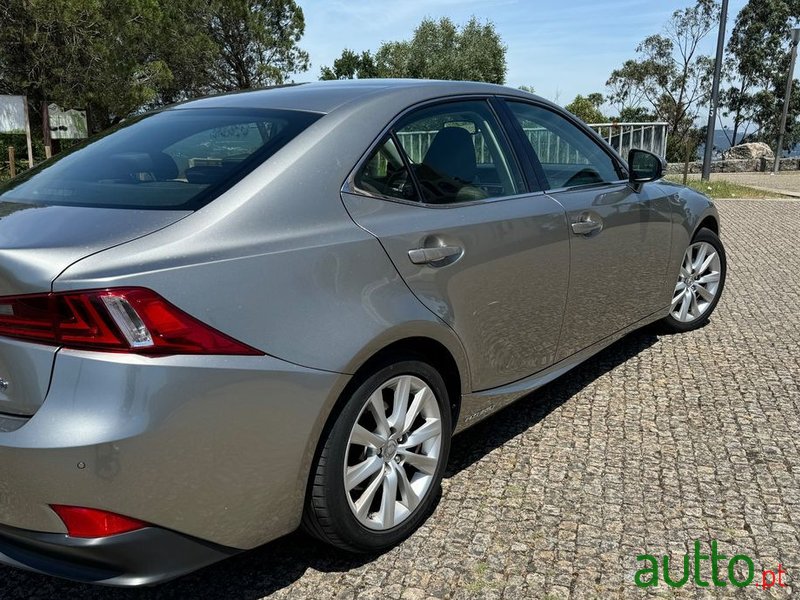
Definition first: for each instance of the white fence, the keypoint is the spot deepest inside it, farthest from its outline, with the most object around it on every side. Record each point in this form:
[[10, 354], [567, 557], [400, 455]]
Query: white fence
[[416, 144], [550, 148], [644, 136]]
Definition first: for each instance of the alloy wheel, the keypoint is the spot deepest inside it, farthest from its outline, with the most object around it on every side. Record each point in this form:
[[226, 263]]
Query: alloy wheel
[[393, 452], [698, 283]]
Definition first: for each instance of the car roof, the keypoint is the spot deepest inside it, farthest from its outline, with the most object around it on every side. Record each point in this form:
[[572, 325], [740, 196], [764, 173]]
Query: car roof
[[326, 96]]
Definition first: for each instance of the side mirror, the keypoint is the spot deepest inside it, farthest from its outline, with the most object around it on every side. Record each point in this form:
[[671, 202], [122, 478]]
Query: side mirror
[[644, 166]]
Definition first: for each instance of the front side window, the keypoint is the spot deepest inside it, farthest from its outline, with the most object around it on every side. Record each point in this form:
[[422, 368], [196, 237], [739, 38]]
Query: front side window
[[174, 159], [568, 156], [458, 154]]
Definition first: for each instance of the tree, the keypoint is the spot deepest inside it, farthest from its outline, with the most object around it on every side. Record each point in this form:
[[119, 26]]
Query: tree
[[117, 57], [528, 88], [190, 61], [392, 59], [438, 50], [87, 54], [756, 71], [669, 77], [636, 114], [257, 42], [351, 66], [587, 108]]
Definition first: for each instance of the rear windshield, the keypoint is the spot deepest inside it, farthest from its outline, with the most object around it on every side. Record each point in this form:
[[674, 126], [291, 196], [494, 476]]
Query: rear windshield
[[174, 159]]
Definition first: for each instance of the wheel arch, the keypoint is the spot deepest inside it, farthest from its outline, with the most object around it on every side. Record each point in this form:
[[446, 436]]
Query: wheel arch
[[450, 361], [708, 222], [427, 348]]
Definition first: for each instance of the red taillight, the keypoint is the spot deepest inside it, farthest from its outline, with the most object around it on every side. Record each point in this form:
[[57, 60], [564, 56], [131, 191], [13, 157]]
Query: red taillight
[[118, 319], [93, 523]]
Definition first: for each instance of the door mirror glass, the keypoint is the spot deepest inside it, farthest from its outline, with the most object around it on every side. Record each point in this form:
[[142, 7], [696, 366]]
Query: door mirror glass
[[645, 166]]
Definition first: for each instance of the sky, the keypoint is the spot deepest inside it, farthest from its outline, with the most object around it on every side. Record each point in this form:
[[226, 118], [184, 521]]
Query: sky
[[561, 49]]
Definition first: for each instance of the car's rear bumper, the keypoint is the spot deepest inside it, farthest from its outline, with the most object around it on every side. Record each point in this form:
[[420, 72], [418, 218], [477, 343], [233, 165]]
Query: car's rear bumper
[[143, 557], [213, 448]]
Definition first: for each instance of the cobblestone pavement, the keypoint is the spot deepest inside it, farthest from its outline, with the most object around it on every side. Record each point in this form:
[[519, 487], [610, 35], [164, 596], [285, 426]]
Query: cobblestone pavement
[[656, 442], [785, 182]]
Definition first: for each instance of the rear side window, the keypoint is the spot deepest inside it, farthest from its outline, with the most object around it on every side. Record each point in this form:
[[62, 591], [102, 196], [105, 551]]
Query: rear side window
[[458, 153], [455, 151], [385, 174], [174, 159]]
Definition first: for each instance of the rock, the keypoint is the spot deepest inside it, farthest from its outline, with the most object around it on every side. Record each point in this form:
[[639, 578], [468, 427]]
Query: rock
[[739, 166], [749, 151]]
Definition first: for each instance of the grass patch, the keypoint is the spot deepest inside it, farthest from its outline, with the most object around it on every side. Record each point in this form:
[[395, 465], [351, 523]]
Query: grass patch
[[480, 583], [719, 188]]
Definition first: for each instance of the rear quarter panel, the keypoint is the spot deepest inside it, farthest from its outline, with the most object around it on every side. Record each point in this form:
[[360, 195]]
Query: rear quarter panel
[[277, 262]]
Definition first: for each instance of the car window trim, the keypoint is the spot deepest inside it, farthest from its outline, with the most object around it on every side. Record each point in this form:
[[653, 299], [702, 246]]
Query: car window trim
[[589, 186], [590, 133], [349, 186], [502, 134], [531, 167], [470, 203], [407, 163]]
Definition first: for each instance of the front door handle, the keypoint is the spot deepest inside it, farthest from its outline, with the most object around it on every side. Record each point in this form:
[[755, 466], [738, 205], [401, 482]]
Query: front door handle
[[422, 256], [585, 227]]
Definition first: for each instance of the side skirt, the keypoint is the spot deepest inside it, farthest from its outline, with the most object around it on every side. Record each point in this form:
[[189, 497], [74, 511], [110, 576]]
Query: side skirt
[[478, 405]]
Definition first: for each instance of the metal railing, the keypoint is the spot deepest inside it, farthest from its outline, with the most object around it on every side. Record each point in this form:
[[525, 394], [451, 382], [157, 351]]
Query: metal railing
[[416, 144], [551, 148], [644, 136]]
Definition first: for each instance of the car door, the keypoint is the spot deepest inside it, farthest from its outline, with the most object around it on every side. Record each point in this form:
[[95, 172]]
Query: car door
[[620, 235], [483, 250]]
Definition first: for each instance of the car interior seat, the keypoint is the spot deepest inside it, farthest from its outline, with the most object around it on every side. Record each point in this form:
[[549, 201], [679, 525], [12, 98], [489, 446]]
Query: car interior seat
[[449, 168]]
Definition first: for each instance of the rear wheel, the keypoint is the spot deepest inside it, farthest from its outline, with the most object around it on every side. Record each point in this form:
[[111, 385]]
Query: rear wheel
[[700, 283], [379, 470]]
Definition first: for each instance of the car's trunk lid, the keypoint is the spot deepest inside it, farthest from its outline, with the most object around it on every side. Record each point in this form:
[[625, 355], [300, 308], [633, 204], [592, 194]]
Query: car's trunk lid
[[36, 244]]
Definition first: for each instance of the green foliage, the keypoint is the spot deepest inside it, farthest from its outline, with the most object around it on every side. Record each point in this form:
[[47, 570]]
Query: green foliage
[[636, 114], [679, 149], [438, 50], [587, 108], [669, 78], [257, 42], [116, 57], [756, 71], [61, 50], [20, 144], [719, 188], [527, 88], [351, 66], [392, 59]]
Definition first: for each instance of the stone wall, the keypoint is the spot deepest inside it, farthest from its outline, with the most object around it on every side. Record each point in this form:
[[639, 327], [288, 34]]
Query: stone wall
[[736, 166]]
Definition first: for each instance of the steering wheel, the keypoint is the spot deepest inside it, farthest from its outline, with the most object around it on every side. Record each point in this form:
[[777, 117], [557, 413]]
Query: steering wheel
[[585, 176]]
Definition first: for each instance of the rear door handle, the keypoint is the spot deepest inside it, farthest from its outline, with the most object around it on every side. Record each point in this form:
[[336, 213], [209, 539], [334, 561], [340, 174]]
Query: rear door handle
[[422, 256], [586, 227]]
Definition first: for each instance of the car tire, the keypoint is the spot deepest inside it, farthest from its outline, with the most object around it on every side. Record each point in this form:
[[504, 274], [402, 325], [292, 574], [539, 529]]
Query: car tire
[[402, 453], [700, 283]]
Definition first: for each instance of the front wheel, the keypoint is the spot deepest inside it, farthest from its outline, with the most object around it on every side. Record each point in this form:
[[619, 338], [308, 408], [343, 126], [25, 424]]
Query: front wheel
[[378, 473], [700, 283]]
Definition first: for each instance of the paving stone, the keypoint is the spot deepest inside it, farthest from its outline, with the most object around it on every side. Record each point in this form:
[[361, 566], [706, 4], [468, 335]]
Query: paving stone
[[658, 441]]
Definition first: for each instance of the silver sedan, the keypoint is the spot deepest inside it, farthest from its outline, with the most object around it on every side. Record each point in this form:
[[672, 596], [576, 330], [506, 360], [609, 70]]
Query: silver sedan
[[244, 313]]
